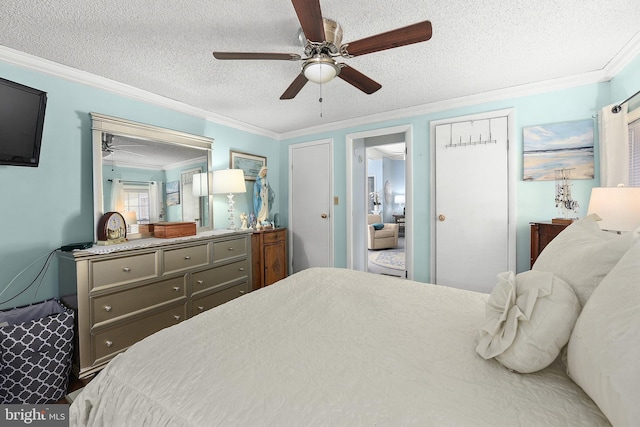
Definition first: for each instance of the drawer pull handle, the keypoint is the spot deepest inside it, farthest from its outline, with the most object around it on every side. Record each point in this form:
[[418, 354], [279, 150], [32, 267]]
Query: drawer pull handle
[[241, 292], [201, 308], [107, 308], [176, 288], [200, 282], [230, 249], [187, 257], [108, 343], [177, 317], [126, 269], [241, 269]]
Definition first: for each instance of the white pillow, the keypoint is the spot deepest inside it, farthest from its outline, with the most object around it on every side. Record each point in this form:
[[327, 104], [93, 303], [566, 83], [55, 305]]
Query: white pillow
[[604, 349], [582, 255], [529, 318]]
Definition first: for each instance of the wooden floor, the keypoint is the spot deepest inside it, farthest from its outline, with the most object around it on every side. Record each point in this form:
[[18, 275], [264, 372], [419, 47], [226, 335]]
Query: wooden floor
[[74, 384]]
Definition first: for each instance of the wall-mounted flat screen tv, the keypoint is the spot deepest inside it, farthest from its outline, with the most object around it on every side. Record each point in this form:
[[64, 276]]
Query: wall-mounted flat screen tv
[[21, 122]]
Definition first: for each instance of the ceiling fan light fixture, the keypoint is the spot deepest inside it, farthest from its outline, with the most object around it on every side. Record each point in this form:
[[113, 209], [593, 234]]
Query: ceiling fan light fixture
[[321, 69]]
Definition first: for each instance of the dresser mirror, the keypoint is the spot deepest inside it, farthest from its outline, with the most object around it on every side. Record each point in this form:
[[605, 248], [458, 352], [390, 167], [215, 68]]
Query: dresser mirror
[[160, 174]]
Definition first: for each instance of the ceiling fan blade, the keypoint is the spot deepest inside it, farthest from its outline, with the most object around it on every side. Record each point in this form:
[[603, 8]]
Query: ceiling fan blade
[[359, 80], [294, 87], [415, 33], [310, 17], [257, 55]]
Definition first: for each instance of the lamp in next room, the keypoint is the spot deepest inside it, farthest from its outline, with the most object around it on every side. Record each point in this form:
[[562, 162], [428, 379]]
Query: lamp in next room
[[229, 182], [617, 207]]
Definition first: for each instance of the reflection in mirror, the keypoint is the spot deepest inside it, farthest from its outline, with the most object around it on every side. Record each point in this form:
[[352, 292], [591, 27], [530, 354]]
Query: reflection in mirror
[[150, 171]]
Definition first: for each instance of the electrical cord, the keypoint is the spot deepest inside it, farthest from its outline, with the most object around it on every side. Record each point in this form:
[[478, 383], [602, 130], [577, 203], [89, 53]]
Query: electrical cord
[[40, 276]]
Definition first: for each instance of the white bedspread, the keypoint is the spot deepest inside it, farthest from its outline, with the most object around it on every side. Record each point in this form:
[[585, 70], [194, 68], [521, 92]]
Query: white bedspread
[[329, 347]]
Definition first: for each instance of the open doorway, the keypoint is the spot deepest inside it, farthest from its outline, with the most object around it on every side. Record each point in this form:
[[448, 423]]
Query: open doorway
[[386, 193], [361, 176]]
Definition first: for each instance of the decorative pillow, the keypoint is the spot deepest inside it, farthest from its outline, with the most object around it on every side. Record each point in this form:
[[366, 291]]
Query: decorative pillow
[[582, 255], [604, 349], [529, 319], [377, 226]]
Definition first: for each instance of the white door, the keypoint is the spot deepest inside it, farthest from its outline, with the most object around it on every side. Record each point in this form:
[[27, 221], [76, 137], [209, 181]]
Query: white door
[[311, 208], [472, 241]]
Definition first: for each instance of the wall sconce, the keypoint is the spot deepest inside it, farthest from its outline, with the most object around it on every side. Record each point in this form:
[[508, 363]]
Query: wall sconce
[[200, 184], [229, 181], [617, 207]]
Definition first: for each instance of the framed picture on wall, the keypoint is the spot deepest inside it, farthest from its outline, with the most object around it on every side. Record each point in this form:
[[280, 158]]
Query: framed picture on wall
[[173, 193], [249, 163], [558, 146]]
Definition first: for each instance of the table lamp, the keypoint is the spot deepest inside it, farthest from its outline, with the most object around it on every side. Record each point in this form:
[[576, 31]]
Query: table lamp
[[229, 181], [617, 207]]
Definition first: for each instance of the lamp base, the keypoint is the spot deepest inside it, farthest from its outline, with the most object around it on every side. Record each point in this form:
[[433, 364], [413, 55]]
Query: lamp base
[[232, 219]]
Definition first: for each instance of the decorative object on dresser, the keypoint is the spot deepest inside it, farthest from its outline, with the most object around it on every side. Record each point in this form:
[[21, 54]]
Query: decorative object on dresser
[[541, 234], [617, 207], [229, 181], [168, 230], [269, 256], [564, 200], [125, 293], [112, 229]]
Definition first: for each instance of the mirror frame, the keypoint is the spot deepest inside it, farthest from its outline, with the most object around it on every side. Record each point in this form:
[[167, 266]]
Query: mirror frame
[[102, 123]]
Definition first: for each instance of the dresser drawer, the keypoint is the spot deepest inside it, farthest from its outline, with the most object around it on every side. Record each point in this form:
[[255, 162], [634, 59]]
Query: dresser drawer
[[111, 306], [229, 249], [273, 236], [185, 258], [118, 271], [213, 300], [216, 276], [113, 340]]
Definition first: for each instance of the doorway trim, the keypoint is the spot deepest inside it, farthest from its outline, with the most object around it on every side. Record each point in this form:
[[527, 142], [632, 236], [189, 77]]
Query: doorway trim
[[511, 185], [351, 158]]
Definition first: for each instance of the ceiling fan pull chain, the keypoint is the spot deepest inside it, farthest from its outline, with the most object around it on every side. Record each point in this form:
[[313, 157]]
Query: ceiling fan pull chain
[[320, 99]]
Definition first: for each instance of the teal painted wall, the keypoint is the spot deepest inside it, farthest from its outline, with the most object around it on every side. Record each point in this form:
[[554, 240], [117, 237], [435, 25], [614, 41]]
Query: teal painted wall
[[534, 200], [43, 208], [46, 207]]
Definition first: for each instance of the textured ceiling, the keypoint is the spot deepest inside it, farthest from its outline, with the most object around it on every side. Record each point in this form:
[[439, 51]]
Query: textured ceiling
[[165, 48]]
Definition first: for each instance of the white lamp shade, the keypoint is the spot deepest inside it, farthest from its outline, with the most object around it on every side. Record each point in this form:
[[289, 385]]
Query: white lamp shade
[[130, 217], [200, 184], [399, 199], [228, 181], [618, 207]]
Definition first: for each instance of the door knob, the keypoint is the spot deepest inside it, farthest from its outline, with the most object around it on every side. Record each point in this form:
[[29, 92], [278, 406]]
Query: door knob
[[441, 217], [324, 216]]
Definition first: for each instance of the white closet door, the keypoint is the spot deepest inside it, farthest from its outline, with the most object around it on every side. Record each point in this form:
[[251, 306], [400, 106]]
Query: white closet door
[[471, 203]]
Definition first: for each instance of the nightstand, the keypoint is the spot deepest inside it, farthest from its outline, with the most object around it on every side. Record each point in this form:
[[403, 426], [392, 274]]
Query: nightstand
[[541, 234], [269, 256]]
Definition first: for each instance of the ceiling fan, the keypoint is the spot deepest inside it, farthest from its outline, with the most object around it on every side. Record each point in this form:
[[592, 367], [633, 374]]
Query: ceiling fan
[[108, 149], [322, 41]]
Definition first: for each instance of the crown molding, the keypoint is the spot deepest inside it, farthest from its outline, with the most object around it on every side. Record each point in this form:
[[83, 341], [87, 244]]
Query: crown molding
[[623, 58], [32, 62]]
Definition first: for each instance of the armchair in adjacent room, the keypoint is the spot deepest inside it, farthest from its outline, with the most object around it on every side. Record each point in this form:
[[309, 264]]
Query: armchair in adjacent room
[[381, 235]]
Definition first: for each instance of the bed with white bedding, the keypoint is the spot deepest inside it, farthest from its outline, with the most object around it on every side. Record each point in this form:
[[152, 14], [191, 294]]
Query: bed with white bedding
[[333, 347]]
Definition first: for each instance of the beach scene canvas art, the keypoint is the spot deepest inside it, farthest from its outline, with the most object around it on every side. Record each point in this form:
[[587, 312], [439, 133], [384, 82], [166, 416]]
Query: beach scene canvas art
[[556, 146]]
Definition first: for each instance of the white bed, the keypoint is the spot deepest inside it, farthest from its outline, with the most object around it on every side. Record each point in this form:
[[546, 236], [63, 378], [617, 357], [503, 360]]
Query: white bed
[[330, 347]]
